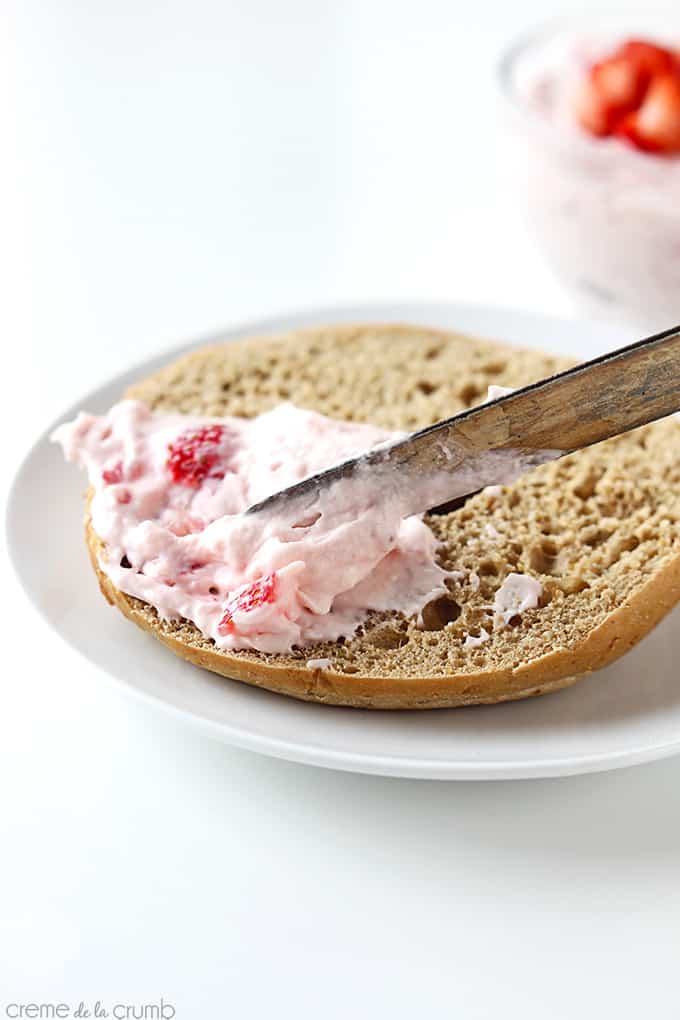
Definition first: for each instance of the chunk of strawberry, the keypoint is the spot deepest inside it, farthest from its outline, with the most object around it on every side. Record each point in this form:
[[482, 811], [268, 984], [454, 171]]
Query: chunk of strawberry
[[591, 110], [195, 456], [620, 83], [613, 88], [616, 87], [113, 475], [247, 598], [655, 126], [648, 57]]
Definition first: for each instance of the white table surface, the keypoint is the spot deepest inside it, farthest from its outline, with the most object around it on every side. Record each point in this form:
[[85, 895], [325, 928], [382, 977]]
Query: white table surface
[[168, 168]]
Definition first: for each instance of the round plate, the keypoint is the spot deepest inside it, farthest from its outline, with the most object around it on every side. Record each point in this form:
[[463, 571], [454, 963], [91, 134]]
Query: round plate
[[625, 714]]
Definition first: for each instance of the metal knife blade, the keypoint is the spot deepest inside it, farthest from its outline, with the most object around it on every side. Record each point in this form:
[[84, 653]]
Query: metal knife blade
[[494, 443]]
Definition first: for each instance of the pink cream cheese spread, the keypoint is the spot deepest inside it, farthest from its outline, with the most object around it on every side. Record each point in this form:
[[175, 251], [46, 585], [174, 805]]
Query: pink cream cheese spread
[[168, 496]]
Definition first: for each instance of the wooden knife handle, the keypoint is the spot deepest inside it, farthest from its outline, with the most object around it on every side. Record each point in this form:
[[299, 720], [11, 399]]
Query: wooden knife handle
[[585, 404]]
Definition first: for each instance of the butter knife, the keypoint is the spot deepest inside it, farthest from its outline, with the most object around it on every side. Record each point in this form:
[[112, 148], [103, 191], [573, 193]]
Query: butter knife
[[496, 442]]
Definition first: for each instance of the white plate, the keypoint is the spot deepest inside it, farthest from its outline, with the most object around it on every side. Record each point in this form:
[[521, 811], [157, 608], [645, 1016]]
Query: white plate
[[623, 715]]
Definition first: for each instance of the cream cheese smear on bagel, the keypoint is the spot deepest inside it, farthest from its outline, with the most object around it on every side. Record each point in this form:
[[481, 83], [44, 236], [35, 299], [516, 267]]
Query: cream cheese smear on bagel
[[168, 493]]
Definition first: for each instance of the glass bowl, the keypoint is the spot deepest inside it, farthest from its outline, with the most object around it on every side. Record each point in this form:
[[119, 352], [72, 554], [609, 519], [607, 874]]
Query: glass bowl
[[607, 216]]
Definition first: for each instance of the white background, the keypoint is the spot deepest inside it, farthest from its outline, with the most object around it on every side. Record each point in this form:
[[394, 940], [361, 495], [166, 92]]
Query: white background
[[172, 167]]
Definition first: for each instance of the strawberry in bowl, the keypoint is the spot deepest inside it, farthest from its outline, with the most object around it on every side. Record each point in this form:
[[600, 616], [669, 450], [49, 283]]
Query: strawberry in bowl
[[595, 119], [634, 95]]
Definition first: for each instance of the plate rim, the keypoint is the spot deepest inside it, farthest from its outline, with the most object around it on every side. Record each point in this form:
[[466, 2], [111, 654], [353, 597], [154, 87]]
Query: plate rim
[[307, 752]]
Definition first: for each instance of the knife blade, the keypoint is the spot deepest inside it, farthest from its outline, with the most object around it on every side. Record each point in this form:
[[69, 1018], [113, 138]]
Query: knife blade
[[496, 442]]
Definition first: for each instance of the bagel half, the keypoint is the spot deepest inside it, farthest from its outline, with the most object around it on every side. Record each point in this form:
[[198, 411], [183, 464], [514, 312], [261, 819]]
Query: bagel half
[[599, 528]]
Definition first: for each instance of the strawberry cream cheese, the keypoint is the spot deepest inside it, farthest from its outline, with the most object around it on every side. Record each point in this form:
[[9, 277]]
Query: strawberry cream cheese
[[168, 493]]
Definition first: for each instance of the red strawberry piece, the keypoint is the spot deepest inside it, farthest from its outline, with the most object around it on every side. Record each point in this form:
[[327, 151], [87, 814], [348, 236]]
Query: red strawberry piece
[[620, 83], [247, 598], [195, 456], [613, 87], [114, 475], [124, 496], [616, 87], [591, 110], [655, 126], [648, 57]]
